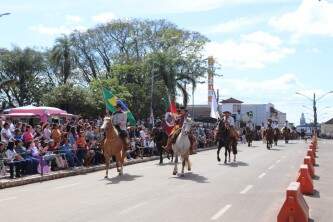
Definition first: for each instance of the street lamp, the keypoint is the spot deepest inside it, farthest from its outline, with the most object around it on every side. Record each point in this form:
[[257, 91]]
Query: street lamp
[[3, 14], [314, 101]]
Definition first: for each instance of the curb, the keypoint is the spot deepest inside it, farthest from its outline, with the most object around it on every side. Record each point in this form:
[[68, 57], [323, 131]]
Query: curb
[[67, 173]]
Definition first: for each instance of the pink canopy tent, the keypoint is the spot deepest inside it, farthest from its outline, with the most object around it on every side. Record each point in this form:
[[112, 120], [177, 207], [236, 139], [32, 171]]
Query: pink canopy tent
[[43, 112]]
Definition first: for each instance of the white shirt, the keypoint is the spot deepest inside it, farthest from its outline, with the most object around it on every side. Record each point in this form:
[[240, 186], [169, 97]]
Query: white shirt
[[6, 134], [11, 154], [47, 134], [230, 120]]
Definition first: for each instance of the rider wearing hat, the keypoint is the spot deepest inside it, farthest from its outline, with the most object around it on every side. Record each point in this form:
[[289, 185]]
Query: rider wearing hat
[[119, 120], [181, 115], [227, 118]]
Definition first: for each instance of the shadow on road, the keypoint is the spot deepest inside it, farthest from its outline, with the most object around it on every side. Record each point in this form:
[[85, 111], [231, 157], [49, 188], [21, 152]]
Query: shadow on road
[[165, 164], [235, 164], [125, 177], [316, 194], [192, 177]]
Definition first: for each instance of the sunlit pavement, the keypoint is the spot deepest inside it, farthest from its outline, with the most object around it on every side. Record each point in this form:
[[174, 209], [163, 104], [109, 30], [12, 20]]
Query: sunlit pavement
[[252, 189]]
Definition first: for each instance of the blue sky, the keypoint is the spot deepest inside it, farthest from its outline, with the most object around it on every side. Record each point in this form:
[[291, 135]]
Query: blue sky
[[268, 49]]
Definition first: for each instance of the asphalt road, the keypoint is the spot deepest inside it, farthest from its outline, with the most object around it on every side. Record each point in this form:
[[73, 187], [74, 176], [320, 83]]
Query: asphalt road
[[251, 190]]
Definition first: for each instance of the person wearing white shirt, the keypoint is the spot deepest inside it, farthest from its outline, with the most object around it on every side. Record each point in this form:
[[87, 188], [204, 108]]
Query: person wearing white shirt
[[228, 118], [6, 134]]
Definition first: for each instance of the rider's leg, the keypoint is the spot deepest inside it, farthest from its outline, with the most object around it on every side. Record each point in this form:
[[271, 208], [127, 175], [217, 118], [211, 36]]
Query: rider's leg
[[192, 141]]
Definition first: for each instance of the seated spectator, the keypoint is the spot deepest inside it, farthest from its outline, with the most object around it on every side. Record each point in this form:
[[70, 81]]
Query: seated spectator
[[31, 163], [15, 161], [17, 134], [66, 149]]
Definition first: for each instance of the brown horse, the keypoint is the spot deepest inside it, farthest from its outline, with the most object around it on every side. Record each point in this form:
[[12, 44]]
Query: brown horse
[[112, 146]]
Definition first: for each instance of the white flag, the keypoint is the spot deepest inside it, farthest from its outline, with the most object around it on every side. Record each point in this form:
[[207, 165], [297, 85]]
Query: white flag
[[214, 113]]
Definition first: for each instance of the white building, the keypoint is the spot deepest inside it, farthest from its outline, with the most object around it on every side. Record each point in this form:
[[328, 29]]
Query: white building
[[257, 113]]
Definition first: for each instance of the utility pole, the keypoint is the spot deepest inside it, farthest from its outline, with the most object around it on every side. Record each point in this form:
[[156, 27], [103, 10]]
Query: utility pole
[[315, 121]]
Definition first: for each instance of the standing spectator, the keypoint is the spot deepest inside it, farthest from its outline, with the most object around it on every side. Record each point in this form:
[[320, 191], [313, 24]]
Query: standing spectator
[[2, 158], [56, 134], [46, 132], [27, 135], [6, 134], [72, 137], [81, 144]]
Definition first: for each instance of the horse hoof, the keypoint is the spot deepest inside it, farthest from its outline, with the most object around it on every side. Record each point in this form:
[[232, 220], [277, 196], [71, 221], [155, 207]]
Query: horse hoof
[[105, 177], [174, 173], [219, 159]]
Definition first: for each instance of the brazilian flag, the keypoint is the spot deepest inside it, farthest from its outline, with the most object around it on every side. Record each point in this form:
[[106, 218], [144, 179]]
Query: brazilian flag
[[111, 102]]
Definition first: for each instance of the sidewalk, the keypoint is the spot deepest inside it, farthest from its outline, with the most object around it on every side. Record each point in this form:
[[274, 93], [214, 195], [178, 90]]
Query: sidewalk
[[6, 183], [321, 203]]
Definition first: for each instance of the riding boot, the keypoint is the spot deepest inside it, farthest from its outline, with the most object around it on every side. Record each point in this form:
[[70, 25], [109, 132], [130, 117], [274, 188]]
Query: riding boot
[[168, 147]]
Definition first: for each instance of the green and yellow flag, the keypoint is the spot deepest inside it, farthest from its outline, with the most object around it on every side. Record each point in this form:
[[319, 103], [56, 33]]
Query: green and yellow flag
[[111, 102]]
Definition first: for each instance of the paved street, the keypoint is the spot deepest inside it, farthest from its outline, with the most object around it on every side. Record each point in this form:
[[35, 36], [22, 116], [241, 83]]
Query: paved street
[[251, 190]]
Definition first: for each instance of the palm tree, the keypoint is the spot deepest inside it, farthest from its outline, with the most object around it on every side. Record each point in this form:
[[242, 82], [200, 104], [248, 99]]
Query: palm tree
[[175, 76], [63, 58]]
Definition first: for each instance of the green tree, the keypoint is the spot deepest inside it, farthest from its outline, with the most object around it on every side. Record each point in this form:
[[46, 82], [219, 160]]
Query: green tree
[[25, 69], [62, 58]]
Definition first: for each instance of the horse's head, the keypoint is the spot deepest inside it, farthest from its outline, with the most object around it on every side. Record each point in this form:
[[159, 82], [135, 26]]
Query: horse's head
[[107, 123], [187, 125]]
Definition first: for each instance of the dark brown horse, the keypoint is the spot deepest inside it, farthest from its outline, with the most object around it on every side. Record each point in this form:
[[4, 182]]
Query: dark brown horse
[[160, 138], [276, 136], [249, 136], [286, 134], [226, 137], [269, 135]]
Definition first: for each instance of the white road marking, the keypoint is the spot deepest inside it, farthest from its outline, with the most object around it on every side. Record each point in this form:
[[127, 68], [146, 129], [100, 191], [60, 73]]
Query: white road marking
[[271, 167], [221, 212], [261, 175], [133, 208], [9, 198], [247, 188], [278, 161], [66, 186]]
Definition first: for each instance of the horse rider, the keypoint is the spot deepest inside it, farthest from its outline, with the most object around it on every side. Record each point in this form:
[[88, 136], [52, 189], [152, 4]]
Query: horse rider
[[119, 120], [228, 119], [181, 115]]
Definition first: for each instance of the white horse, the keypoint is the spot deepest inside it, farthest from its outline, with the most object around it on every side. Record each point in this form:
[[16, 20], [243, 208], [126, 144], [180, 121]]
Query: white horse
[[182, 147]]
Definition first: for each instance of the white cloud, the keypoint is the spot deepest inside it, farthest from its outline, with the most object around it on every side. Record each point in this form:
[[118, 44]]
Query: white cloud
[[104, 17], [254, 50], [52, 31], [234, 25], [310, 18], [73, 19], [182, 6]]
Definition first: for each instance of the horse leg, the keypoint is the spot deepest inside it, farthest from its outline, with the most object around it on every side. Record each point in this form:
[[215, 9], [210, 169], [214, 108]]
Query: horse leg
[[175, 170], [107, 165], [229, 152], [183, 165], [189, 164], [161, 154], [119, 164], [218, 153], [225, 154]]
